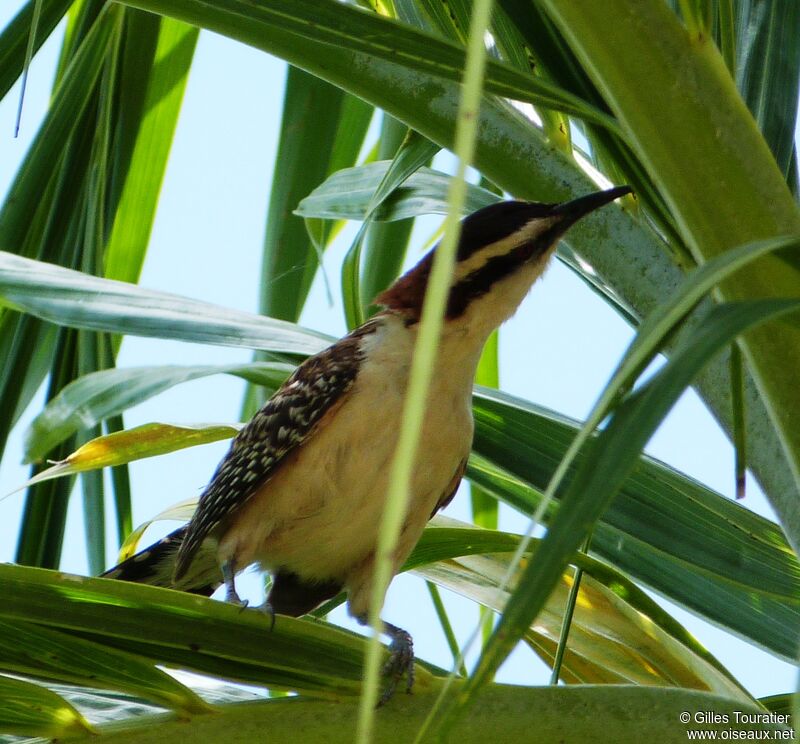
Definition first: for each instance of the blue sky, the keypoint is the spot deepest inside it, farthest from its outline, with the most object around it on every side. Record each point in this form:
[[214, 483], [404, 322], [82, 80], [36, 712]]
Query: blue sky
[[557, 351]]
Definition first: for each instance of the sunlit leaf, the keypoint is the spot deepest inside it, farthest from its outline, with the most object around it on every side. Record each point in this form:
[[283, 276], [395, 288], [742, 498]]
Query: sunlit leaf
[[127, 446], [610, 639], [74, 299], [100, 395], [27, 709], [181, 511]]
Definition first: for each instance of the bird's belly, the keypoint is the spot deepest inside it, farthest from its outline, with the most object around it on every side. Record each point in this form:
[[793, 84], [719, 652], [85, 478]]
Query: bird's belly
[[320, 514]]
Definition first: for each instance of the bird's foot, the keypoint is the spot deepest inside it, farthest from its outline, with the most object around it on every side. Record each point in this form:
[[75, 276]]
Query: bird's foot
[[235, 600], [266, 608], [231, 595], [400, 662]]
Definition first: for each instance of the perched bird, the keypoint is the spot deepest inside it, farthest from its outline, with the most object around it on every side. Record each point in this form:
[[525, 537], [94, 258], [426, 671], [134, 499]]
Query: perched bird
[[301, 490]]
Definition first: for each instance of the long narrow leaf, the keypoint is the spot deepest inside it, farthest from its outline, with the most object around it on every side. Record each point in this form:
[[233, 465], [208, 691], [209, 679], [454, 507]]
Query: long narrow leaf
[[27, 709], [413, 153], [768, 71], [385, 245], [347, 194], [15, 35], [28, 649], [43, 524], [143, 168], [613, 456], [312, 112], [96, 397], [122, 447], [376, 36], [73, 299]]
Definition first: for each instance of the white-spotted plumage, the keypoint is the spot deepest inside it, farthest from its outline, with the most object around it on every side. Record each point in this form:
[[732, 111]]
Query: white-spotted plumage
[[287, 420]]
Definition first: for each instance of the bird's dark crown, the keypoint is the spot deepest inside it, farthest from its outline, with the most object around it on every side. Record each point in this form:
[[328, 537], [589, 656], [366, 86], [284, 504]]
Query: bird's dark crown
[[494, 243], [479, 231], [495, 222]]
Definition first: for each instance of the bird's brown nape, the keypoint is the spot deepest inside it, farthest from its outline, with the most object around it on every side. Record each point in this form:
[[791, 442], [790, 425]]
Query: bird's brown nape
[[405, 296]]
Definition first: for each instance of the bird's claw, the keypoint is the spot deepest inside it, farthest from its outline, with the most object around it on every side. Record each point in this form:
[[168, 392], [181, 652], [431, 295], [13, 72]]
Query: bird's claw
[[233, 598], [266, 608], [231, 595], [400, 662]]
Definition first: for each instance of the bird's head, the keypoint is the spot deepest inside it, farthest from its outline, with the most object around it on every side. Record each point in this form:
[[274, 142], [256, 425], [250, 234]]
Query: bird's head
[[502, 250]]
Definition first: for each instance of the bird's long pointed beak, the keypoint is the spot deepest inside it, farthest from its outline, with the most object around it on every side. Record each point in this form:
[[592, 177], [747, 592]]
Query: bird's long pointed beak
[[572, 211]]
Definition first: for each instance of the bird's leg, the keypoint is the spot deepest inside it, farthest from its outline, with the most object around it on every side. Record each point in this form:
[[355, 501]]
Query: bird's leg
[[231, 595], [267, 609], [401, 659], [228, 576]]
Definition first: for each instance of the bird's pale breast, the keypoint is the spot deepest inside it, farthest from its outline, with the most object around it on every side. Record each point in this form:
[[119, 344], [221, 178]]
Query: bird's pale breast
[[320, 517]]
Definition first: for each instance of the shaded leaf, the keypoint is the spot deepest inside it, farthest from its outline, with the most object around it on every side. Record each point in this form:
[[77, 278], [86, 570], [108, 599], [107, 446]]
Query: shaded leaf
[[768, 70], [28, 649], [504, 713], [347, 195]]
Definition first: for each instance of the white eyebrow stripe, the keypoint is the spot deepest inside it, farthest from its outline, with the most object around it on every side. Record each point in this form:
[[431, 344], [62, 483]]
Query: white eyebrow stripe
[[483, 255]]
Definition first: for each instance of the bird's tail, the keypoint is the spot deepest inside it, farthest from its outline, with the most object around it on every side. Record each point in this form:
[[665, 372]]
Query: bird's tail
[[155, 565]]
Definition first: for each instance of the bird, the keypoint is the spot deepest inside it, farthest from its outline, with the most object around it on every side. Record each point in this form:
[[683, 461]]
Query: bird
[[302, 488]]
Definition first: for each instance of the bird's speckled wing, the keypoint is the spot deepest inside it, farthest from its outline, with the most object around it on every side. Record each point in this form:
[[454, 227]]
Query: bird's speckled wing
[[285, 422]]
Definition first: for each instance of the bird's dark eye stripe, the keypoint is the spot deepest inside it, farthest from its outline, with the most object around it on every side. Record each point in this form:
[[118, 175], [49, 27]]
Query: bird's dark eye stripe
[[480, 281], [495, 222]]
